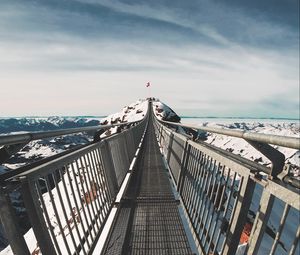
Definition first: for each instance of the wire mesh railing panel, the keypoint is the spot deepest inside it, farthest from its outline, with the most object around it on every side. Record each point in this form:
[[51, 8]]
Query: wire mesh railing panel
[[165, 140], [75, 194], [216, 192], [276, 228], [74, 202], [210, 193]]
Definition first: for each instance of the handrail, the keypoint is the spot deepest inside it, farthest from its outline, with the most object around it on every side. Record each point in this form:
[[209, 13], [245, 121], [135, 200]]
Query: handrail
[[30, 136], [218, 193], [285, 141]]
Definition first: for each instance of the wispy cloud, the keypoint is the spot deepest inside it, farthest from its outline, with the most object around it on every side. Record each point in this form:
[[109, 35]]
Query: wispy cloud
[[199, 55]]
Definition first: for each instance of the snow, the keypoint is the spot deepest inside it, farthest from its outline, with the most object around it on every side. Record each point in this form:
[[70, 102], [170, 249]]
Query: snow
[[162, 111], [134, 112], [241, 147], [38, 149], [30, 240], [131, 113]]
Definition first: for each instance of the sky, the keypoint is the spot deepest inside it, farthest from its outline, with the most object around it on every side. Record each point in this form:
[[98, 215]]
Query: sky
[[235, 58]]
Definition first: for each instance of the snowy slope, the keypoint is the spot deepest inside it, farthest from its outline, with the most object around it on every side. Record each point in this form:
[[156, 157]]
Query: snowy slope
[[133, 112], [40, 149], [164, 112], [236, 145], [43, 148], [241, 147]]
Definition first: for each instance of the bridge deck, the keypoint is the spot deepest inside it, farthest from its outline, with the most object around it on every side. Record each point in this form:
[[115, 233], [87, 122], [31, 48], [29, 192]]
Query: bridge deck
[[149, 221]]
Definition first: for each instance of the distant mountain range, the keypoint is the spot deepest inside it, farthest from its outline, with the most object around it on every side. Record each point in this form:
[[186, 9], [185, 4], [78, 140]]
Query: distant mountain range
[[32, 124], [8, 125]]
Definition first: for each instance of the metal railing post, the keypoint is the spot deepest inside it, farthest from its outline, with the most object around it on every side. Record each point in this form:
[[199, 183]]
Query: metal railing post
[[10, 225], [130, 145], [36, 218], [240, 216], [126, 151], [183, 164], [109, 169], [170, 147], [160, 134], [260, 223]]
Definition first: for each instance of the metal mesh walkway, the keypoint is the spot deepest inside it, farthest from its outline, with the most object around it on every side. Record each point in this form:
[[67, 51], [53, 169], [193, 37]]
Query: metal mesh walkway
[[149, 221]]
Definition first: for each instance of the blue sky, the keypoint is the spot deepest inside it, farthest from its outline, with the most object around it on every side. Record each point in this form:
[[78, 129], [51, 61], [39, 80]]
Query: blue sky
[[203, 58]]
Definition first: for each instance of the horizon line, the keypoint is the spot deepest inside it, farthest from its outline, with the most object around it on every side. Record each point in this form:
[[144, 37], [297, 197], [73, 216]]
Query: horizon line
[[182, 116], [238, 117]]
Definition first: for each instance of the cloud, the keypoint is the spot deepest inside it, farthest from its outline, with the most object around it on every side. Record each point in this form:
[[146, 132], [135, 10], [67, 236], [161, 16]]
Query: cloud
[[284, 105], [225, 24], [231, 57]]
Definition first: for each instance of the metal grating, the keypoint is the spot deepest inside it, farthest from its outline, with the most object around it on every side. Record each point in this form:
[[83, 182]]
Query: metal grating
[[157, 229], [155, 225]]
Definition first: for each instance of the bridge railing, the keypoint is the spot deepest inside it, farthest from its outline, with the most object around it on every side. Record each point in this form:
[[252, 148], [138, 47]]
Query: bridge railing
[[68, 199], [220, 192]]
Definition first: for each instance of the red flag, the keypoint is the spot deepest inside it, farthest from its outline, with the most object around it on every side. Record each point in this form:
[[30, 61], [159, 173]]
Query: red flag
[[148, 84]]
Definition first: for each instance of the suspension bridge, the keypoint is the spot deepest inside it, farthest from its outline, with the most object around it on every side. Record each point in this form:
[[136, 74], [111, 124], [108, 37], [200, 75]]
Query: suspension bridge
[[150, 190]]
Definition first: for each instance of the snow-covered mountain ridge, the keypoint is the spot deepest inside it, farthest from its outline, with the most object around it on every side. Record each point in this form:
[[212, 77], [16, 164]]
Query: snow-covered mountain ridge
[[46, 147], [43, 148], [39, 149], [8, 125], [244, 149]]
